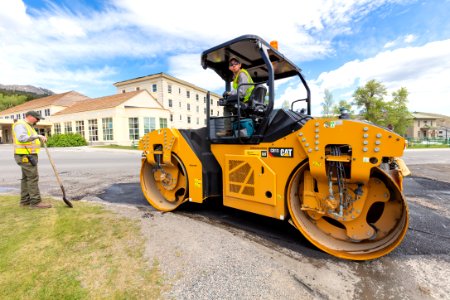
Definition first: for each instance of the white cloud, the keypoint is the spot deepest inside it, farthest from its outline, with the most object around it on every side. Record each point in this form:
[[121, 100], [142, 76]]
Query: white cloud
[[187, 67], [56, 47], [424, 71], [410, 38]]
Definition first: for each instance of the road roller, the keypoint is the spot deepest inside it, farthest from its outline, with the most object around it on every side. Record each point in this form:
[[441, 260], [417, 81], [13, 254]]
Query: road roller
[[339, 181]]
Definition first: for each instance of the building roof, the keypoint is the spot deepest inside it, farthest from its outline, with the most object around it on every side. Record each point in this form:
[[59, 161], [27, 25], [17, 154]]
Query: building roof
[[99, 103], [423, 115], [161, 74], [64, 99]]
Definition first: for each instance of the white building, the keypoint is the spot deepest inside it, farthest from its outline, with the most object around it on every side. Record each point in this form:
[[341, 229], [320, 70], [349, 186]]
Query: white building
[[120, 119], [186, 102], [46, 106], [141, 105]]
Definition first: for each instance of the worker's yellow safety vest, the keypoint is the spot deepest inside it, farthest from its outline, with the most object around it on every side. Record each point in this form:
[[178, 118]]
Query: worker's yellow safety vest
[[236, 84], [31, 147]]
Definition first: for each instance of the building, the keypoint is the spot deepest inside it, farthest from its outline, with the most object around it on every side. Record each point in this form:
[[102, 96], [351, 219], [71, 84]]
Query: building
[[46, 106], [429, 125], [141, 105], [119, 119], [186, 102]]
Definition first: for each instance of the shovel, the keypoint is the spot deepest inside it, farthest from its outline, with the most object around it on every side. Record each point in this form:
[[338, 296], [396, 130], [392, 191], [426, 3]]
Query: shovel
[[67, 202]]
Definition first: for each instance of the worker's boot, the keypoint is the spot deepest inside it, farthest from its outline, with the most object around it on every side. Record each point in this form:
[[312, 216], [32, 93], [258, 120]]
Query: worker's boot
[[41, 205]]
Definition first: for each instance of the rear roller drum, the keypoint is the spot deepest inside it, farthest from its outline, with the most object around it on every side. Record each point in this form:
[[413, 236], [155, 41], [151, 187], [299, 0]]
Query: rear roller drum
[[166, 186], [377, 229]]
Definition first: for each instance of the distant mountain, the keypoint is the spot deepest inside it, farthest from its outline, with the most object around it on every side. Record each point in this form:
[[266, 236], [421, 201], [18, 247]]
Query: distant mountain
[[25, 89]]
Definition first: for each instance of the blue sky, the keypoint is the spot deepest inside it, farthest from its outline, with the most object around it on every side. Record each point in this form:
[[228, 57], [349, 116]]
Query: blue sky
[[88, 45]]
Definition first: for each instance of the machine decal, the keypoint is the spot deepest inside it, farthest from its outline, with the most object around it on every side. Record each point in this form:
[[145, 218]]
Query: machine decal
[[281, 152], [198, 182], [316, 164], [259, 153]]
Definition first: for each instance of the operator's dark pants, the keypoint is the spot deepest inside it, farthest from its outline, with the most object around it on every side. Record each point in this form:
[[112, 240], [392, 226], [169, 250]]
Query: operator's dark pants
[[29, 188]]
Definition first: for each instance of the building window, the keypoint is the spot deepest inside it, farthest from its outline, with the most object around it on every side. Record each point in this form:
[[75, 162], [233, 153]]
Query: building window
[[169, 89], [123, 91], [57, 128], [189, 120], [133, 125], [204, 100], [188, 106], [198, 121], [180, 103], [79, 127], [181, 117], [18, 116], [197, 109], [107, 129], [138, 88], [171, 118], [188, 94], [196, 97], [212, 113], [204, 110], [149, 124], [154, 88], [179, 90], [47, 112], [170, 102], [93, 130], [162, 123], [23, 116], [67, 127], [211, 101]]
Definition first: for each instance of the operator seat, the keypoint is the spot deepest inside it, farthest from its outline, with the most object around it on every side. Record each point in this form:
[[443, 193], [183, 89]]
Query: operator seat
[[256, 100]]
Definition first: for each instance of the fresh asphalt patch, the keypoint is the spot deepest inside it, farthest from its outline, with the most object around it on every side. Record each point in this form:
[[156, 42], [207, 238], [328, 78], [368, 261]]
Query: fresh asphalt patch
[[428, 228]]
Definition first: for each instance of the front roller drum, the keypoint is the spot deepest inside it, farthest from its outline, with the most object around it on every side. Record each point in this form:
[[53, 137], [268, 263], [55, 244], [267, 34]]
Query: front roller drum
[[384, 220], [165, 186]]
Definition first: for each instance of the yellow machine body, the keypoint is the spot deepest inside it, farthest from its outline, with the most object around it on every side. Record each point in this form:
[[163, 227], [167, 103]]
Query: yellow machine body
[[269, 178], [338, 181]]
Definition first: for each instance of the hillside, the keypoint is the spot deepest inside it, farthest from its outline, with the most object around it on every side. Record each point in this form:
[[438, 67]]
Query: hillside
[[25, 90], [12, 95]]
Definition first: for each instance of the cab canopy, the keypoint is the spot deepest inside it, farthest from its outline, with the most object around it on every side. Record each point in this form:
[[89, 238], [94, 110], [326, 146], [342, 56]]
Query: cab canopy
[[247, 49], [264, 63]]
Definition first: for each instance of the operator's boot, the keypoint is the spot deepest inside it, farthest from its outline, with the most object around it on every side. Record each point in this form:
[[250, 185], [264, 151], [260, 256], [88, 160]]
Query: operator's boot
[[223, 133]]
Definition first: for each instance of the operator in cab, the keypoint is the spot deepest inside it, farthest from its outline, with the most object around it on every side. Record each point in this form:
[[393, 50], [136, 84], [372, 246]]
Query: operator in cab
[[242, 89]]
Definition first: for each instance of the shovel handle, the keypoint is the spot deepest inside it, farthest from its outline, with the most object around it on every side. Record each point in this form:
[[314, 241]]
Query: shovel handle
[[68, 203]]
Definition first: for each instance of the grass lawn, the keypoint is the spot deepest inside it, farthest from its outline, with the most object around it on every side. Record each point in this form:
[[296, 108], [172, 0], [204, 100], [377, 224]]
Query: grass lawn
[[427, 146], [82, 253]]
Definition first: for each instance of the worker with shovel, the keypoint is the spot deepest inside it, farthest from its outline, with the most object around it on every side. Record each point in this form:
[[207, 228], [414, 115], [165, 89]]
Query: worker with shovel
[[27, 144]]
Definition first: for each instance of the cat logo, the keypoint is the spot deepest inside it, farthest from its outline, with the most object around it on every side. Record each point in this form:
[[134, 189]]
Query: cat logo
[[281, 152]]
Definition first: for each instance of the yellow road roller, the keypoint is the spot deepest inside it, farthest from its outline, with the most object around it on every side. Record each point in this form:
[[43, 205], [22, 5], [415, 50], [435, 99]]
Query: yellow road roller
[[338, 181]]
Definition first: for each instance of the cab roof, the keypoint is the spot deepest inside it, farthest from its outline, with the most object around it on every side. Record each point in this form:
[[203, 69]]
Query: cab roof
[[247, 49]]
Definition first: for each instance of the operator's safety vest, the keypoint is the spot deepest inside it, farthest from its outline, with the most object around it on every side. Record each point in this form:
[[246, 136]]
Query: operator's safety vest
[[32, 147], [236, 84]]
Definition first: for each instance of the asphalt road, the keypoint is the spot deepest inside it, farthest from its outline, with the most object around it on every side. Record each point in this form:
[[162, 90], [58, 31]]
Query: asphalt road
[[419, 268]]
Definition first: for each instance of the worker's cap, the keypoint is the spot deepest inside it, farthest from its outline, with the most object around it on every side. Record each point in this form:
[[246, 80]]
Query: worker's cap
[[233, 58], [35, 114]]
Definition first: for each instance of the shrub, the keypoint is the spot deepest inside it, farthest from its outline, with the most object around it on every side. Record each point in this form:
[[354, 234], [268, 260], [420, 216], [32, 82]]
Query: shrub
[[66, 140]]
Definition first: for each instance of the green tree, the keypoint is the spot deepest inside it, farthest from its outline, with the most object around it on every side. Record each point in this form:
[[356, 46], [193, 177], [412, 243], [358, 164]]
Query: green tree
[[285, 104], [397, 115], [370, 99], [336, 110], [8, 101], [327, 104], [393, 114]]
